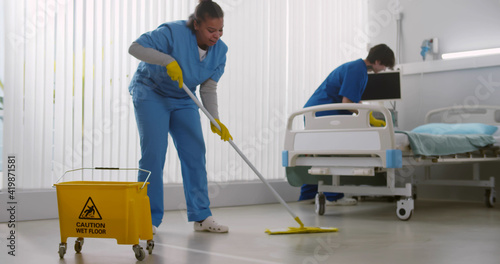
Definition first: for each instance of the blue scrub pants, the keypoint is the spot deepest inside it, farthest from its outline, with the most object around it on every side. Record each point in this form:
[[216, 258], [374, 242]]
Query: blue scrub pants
[[156, 117], [309, 191]]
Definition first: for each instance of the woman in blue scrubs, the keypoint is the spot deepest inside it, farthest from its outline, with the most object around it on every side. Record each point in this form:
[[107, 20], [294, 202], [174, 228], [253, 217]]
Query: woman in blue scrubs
[[189, 52], [346, 84]]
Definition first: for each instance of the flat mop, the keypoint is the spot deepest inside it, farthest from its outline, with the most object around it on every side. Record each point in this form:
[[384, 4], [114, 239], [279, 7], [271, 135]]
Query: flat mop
[[290, 230]]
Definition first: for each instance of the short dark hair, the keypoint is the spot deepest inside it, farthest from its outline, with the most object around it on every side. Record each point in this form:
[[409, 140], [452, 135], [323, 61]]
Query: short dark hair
[[203, 9], [382, 53]]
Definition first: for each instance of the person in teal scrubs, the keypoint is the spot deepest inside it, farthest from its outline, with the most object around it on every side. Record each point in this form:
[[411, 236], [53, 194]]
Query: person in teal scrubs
[[178, 52], [346, 84]]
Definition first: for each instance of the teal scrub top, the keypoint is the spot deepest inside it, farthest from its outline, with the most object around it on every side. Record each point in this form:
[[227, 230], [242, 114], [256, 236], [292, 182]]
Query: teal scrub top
[[348, 80], [179, 41]]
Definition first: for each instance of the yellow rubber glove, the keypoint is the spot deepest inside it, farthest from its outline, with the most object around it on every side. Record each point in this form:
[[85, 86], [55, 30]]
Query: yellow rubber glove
[[225, 132], [376, 122], [175, 72]]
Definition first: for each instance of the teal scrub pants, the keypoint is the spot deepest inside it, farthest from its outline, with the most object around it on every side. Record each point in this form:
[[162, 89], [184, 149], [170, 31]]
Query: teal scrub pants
[[156, 117]]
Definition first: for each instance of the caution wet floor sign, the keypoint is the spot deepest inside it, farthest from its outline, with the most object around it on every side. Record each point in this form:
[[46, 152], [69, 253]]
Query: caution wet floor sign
[[90, 211], [117, 210]]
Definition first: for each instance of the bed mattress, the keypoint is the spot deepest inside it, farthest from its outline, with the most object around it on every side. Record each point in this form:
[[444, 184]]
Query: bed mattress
[[403, 143]]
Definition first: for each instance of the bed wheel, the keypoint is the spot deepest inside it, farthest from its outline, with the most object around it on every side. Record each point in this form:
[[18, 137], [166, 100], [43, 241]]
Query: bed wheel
[[319, 203], [490, 197], [404, 209]]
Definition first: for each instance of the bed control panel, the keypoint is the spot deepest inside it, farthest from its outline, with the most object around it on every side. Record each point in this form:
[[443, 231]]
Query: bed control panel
[[319, 171], [342, 171], [363, 172]]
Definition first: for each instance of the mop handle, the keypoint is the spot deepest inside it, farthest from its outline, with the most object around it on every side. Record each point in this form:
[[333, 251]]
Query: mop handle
[[241, 153]]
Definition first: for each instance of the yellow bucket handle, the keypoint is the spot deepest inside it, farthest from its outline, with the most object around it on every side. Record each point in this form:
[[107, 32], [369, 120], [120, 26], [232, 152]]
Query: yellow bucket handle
[[109, 168]]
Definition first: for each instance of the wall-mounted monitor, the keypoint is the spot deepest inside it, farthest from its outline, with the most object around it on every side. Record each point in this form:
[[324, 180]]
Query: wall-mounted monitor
[[383, 86]]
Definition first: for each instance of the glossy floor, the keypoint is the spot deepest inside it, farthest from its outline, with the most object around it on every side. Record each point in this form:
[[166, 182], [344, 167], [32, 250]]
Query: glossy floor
[[370, 232]]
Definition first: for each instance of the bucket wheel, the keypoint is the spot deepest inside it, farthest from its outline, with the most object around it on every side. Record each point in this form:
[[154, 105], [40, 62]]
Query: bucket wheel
[[79, 244], [139, 252], [151, 245], [319, 203], [62, 249]]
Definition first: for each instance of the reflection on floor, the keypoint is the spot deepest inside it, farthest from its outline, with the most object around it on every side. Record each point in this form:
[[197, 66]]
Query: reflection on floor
[[370, 232]]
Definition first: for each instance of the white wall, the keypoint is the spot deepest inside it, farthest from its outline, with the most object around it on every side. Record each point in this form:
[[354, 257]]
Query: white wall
[[460, 25]]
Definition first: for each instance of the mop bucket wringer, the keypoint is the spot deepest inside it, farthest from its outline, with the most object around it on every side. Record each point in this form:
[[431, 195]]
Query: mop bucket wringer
[[105, 209]]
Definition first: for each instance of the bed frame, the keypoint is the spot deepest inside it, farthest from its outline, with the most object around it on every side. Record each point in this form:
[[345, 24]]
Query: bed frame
[[347, 145]]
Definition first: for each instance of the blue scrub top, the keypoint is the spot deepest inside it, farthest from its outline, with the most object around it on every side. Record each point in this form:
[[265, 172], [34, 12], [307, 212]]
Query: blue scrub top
[[348, 80], [177, 40]]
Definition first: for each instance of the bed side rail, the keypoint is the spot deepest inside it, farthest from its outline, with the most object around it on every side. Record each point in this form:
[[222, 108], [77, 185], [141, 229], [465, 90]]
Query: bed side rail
[[487, 114], [338, 134], [361, 120]]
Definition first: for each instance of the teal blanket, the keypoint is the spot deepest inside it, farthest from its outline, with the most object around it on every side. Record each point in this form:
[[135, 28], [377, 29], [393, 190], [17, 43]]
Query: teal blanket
[[432, 145]]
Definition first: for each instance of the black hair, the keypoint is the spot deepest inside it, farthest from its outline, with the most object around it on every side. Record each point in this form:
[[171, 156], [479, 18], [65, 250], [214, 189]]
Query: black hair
[[203, 9], [382, 53]]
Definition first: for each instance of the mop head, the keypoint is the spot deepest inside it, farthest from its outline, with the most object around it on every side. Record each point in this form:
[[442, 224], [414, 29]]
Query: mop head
[[301, 230]]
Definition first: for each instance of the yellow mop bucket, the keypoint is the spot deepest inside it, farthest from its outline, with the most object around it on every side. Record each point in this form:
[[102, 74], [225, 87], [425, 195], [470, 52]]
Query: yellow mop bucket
[[103, 209]]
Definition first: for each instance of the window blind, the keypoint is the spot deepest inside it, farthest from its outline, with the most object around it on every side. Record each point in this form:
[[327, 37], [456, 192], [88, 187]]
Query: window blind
[[67, 71]]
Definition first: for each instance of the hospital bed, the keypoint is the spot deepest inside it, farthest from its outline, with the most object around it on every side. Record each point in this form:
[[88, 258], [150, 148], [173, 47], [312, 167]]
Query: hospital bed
[[320, 149]]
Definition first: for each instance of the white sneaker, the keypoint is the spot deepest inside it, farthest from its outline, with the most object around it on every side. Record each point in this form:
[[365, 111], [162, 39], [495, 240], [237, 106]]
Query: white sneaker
[[210, 225], [154, 230], [343, 201]]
